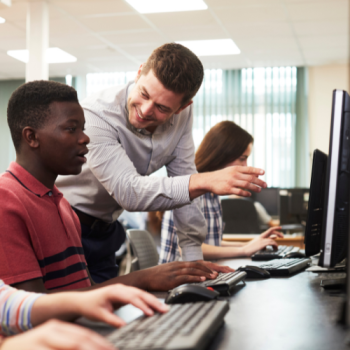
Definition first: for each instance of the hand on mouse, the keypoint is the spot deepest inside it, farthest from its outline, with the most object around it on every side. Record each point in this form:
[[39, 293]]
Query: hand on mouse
[[265, 239]]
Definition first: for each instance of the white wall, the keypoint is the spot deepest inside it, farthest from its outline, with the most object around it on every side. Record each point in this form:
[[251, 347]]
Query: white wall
[[322, 81]]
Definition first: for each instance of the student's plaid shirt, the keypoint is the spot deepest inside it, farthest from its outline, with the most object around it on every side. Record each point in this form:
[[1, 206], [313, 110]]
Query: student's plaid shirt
[[211, 208]]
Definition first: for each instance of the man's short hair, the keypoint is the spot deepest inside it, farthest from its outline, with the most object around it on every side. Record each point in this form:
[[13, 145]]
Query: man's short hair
[[29, 105], [177, 68]]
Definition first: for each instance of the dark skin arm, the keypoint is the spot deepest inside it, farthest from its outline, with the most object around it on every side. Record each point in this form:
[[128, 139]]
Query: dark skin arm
[[158, 278]]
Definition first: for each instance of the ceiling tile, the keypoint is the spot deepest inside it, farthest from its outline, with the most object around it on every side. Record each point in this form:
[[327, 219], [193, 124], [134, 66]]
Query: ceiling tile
[[126, 22], [266, 44], [77, 41], [140, 49], [315, 2], [12, 43], [66, 27], [18, 11], [202, 32], [178, 19], [9, 30], [317, 28], [93, 7], [251, 14], [324, 41], [336, 52], [149, 36], [239, 3], [257, 30], [324, 10]]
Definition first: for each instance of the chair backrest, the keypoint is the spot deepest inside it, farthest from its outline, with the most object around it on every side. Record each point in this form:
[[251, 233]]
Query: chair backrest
[[239, 216], [144, 249]]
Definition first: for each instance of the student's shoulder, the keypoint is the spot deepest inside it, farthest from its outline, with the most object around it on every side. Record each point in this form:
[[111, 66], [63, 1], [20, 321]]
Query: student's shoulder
[[10, 189], [8, 183]]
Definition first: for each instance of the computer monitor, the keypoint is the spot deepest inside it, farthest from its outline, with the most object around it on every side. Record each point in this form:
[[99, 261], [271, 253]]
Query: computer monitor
[[293, 205], [335, 225], [313, 228], [269, 198]]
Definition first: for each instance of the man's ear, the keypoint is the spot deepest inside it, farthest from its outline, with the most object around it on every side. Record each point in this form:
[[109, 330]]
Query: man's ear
[[138, 73], [183, 107], [29, 136]]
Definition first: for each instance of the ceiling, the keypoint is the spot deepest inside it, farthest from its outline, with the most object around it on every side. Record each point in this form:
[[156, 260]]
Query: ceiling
[[109, 35]]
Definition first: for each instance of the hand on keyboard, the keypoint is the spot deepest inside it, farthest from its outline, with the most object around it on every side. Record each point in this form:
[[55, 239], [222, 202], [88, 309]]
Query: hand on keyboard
[[99, 304], [168, 276], [264, 240], [216, 267]]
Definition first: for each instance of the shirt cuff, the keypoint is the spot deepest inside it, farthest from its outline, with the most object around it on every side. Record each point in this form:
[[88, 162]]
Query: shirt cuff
[[191, 253], [180, 187]]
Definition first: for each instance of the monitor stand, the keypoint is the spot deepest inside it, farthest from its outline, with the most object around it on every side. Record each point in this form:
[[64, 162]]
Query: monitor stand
[[335, 278], [333, 283]]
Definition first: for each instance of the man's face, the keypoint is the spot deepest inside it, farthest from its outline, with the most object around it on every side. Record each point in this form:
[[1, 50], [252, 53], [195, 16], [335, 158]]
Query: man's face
[[62, 142], [150, 104]]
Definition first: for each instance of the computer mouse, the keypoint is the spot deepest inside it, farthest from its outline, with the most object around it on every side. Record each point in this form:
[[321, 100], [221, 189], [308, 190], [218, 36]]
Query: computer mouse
[[254, 271], [189, 293], [294, 255]]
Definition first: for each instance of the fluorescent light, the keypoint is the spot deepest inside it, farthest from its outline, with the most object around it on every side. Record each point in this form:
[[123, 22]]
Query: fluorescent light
[[2, 20], [53, 55], [21, 55], [6, 2], [69, 79], [153, 6], [218, 47], [56, 55]]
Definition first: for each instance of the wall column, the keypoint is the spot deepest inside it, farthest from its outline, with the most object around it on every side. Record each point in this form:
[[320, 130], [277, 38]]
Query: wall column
[[37, 40]]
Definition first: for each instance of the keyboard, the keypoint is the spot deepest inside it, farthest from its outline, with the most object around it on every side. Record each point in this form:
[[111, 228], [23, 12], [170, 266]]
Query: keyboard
[[185, 326], [225, 282], [269, 253], [285, 267]]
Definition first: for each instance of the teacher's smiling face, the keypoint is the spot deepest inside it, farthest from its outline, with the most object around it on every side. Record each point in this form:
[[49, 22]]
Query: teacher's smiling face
[[150, 104]]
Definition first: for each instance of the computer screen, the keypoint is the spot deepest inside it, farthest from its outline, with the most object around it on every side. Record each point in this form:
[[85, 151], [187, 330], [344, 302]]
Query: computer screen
[[293, 205], [335, 223], [313, 228], [269, 198]]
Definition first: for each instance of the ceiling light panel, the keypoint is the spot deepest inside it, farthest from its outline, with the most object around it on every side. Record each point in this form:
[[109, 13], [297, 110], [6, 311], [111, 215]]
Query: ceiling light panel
[[2, 20], [219, 47], [53, 55], [156, 6]]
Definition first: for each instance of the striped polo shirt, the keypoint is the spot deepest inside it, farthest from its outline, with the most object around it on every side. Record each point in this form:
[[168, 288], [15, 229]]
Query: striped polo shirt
[[40, 235]]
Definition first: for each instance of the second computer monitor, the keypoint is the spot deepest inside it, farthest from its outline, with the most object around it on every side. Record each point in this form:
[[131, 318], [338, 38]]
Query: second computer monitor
[[269, 198], [293, 205], [313, 228]]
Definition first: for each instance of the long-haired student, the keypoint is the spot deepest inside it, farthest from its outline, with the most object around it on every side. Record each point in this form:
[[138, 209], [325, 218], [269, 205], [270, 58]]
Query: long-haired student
[[225, 145]]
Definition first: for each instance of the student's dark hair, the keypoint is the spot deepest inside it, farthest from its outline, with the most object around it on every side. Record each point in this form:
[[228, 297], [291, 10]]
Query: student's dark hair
[[224, 143], [29, 105], [177, 68]]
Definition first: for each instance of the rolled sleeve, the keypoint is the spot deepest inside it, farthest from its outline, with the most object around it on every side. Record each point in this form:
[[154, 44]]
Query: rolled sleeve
[[189, 219]]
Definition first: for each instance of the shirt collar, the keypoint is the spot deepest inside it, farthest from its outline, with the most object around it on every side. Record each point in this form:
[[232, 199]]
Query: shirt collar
[[30, 182]]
